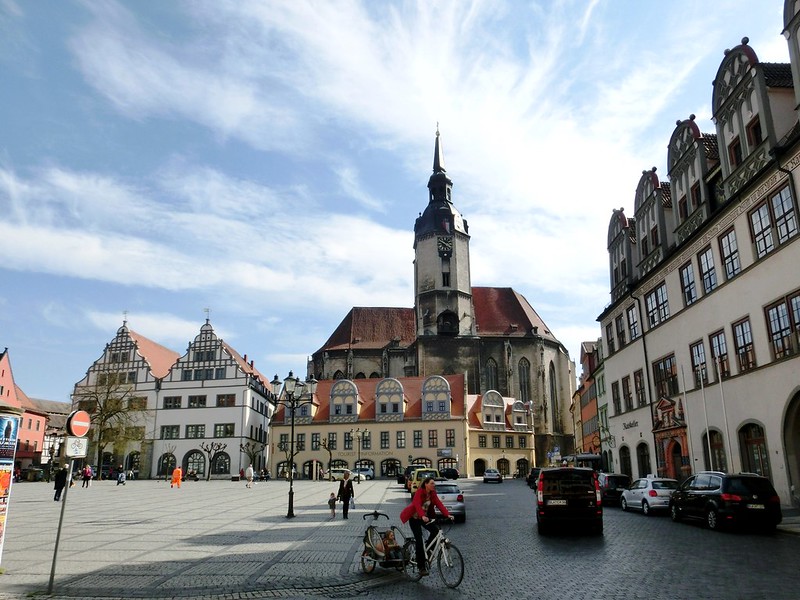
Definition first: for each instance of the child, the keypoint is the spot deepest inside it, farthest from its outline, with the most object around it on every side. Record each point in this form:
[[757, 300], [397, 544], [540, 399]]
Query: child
[[332, 504], [391, 547]]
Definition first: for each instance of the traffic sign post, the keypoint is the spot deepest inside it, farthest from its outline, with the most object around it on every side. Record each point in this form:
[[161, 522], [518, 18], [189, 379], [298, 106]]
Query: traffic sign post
[[78, 423]]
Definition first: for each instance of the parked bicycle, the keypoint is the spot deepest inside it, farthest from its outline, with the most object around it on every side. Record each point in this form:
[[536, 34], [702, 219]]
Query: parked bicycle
[[441, 551]]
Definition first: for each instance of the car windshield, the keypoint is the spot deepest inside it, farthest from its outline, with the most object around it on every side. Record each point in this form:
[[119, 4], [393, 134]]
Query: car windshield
[[447, 489], [665, 485], [618, 481]]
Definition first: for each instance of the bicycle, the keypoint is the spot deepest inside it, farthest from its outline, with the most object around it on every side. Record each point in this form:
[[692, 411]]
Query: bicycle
[[441, 550]]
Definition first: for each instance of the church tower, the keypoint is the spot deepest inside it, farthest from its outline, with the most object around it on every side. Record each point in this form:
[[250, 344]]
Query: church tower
[[442, 286]]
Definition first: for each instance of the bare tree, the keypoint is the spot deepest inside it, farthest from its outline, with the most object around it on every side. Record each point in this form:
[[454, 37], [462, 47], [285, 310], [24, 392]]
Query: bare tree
[[116, 413], [324, 445], [252, 450], [212, 449]]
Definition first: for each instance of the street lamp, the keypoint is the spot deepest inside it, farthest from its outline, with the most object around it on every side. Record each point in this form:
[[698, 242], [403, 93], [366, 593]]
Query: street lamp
[[292, 397], [359, 434]]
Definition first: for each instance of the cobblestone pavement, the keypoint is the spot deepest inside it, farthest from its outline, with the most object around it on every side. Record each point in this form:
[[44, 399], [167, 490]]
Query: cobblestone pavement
[[219, 540]]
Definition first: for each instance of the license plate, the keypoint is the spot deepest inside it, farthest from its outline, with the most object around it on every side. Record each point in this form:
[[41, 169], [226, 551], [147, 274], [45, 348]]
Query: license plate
[[557, 502], [756, 506]]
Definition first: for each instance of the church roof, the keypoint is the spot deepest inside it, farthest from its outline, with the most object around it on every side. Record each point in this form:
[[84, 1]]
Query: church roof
[[373, 328], [157, 356], [504, 312]]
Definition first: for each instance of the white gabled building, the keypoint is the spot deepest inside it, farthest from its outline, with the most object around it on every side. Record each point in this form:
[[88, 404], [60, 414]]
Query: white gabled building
[[210, 394], [702, 336]]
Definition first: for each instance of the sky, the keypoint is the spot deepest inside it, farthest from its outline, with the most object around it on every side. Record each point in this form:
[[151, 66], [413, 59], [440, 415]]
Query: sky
[[262, 163]]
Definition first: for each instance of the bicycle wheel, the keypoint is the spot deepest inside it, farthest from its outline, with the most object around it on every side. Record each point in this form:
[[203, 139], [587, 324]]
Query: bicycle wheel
[[410, 561], [451, 565], [367, 564]]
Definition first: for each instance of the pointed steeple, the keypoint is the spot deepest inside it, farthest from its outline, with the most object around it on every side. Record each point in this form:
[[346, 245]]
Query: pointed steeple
[[438, 155]]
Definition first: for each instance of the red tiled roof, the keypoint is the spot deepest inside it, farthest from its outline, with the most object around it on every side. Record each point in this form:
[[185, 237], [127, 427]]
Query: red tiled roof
[[157, 356], [27, 404], [498, 310], [248, 368], [366, 327], [412, 392]]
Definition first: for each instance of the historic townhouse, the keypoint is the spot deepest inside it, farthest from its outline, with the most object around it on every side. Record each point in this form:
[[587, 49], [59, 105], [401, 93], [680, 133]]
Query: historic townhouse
[[492, 335], [702, 335], [388, 423], [211, 394]]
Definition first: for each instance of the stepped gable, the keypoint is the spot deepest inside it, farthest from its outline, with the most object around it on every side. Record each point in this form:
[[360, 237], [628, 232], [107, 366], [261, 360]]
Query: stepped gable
[[504, 312], [157, 356], [368, 327]]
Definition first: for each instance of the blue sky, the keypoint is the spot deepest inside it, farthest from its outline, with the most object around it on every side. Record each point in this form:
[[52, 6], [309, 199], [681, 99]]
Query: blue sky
[[266, 160]]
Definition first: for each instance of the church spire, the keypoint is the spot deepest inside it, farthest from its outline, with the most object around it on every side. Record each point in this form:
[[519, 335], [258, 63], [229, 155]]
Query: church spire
[[438, 155]]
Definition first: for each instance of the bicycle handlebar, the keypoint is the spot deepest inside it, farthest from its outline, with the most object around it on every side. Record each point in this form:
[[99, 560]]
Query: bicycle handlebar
[[374, 514]]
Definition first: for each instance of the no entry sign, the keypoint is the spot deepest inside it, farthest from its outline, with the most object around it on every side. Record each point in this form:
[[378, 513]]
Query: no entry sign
[[78, 423]]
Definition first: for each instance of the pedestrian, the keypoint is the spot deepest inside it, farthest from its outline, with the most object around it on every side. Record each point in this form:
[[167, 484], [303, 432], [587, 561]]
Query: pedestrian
[[60, 482], [346, 493], [87, 476], [249, 476], [177, 475], [241, 473], [121, 477], [421, 513], [332, 505]]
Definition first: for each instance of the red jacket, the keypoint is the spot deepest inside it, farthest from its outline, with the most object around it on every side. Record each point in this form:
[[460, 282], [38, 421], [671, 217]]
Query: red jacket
[[417, 506]]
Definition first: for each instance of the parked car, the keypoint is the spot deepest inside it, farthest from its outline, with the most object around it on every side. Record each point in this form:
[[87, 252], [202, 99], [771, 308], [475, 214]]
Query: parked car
[[568, 497], [419, 475], [449, 473], [338, 474], [492, 475], [648, 494], [402, 477], [612, 485], [453, 499], [532, 477], [366, 472], [725, 499]]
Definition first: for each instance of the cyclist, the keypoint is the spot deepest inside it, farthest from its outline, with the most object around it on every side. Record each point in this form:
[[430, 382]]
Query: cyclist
[[420, 513]]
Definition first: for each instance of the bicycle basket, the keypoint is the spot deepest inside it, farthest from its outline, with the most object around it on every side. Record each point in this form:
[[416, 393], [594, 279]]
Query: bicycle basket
[[373, 541]]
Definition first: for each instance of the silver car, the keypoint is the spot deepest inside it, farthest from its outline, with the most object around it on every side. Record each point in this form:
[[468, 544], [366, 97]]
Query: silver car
[[492, 475], [453, 499], [648, 494]]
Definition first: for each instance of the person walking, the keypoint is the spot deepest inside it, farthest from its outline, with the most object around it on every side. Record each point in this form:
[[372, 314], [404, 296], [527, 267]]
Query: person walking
[[87, 476], [332, 505], [60, 483], [248, 473], [177, 475], [121, 477], [345, 493], [421, 513]]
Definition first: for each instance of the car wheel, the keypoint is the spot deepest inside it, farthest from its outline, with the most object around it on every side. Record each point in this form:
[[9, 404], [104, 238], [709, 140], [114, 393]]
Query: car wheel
[[542, 528], [461, 519], [646, 508], [712, 519], [623, 504], [674, 513], [485, 481]]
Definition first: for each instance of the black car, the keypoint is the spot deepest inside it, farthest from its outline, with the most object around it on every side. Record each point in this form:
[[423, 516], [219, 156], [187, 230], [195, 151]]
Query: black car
[[612, 486], [568, 497], [532, 477], [449, 473], [402, 476], [726, 499]]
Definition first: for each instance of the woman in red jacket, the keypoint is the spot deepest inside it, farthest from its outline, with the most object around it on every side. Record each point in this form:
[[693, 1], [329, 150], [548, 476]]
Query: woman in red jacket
[[420, 513]]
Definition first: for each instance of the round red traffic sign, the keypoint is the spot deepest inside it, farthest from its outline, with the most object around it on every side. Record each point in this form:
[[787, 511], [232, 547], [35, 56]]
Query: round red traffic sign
[[78, 423]]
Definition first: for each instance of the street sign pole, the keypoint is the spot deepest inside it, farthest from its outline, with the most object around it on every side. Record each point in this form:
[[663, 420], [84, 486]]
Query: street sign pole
[[60, 521]]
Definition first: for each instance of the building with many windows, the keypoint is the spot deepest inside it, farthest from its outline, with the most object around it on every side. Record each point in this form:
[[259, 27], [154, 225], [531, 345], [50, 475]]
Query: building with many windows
[[702, 335], [180, 405]]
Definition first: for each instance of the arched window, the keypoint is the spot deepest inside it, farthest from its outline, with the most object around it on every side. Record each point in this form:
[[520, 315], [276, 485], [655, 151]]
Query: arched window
[[718, 460], [643, 459], [625, 461], [755, 458], [338, 375], [166, 464], [195, 461], [447, 323], [221, 464], [524, 371], [554, 400], [491, 374]]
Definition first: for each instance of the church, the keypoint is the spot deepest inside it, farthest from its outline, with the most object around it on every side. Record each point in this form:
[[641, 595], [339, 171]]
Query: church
[[490, 335]]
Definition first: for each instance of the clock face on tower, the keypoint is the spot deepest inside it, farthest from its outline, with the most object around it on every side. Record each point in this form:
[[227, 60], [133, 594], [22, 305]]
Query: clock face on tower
[[445, 245]]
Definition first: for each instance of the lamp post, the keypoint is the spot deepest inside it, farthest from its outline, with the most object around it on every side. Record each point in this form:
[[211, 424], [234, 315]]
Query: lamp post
[[292, 397], [359, 434]]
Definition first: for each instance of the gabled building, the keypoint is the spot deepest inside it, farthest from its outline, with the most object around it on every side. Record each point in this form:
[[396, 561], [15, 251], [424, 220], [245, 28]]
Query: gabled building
[[179, 404], [491, 335], [702, 336]]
